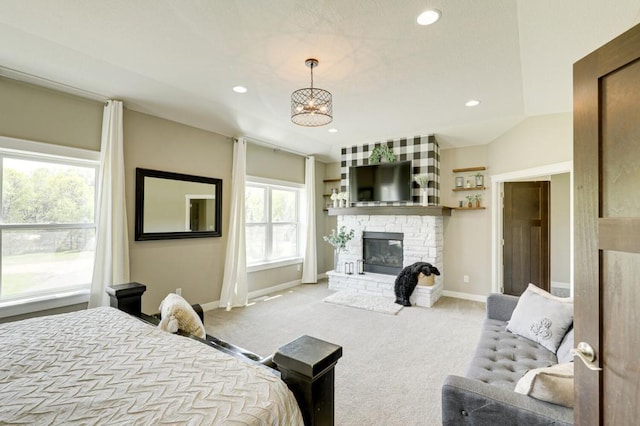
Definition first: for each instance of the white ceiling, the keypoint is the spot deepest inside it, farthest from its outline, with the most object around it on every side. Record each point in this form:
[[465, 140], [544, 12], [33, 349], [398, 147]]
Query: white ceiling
[[389, 77]]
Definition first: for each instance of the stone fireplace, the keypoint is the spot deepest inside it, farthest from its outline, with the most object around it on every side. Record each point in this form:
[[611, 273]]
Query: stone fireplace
[[382, 238]]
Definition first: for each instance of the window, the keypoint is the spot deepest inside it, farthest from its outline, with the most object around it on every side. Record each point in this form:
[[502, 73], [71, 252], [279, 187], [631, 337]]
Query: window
[[47, 224], [272, 216]]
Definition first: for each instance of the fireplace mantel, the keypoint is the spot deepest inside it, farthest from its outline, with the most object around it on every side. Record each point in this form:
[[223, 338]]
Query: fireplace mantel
[[392, 210]]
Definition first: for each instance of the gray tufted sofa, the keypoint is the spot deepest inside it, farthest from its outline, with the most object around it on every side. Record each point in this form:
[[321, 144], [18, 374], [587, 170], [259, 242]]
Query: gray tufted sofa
[[485, 396]]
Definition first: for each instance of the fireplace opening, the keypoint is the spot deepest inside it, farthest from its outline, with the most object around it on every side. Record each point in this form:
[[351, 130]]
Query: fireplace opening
[[382, 252]]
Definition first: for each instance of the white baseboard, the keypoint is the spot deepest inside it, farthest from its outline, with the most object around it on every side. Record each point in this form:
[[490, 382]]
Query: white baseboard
[[465, 296], [252, 295], [210, 306], [322, 276], [558, 284], [279, 287]]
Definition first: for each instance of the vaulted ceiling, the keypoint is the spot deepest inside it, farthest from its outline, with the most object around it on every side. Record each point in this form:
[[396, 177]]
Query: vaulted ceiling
[[389, 76]]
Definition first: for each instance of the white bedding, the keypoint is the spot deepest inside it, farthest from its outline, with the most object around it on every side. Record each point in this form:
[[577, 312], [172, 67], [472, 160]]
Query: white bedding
[[102, 366]]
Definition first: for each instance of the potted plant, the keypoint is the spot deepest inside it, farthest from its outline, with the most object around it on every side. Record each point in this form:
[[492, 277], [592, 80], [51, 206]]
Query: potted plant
[[478, 198], [479, 180], [339, 242], [382, 152], [423, 181], [470, 199]]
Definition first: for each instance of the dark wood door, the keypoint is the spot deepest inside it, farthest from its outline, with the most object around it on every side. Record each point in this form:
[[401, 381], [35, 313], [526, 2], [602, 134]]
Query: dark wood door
[[607, 231], [526, 236]]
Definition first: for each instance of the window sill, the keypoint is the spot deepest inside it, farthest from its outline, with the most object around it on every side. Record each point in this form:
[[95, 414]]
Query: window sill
[[274, 264], [42, 303]]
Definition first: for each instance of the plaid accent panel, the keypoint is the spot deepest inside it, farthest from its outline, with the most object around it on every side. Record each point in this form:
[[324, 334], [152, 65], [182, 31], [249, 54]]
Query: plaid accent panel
[[424, 153]]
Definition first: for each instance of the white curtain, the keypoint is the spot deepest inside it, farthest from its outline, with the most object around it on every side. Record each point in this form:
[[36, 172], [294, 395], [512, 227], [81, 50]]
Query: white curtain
[[112, 239], [234, 284], [310, 264]]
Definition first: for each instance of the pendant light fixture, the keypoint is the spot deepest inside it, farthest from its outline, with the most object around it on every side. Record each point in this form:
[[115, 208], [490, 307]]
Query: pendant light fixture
[[311, 107]]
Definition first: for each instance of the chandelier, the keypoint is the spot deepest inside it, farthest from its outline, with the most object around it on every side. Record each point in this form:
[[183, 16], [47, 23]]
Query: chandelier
[[311, 107]]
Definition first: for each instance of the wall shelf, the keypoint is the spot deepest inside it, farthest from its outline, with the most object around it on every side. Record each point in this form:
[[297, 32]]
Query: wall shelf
[[475, 188], [392, 210], [468, 208], [470, 169], [327, 192]]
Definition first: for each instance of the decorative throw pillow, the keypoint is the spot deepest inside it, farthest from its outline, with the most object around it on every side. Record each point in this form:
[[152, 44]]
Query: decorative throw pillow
[[552, 384], [564, 350], [177, 313], [542, 317]]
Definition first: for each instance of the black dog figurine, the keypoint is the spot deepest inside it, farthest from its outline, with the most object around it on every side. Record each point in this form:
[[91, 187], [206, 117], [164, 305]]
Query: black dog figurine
[[408, 280]]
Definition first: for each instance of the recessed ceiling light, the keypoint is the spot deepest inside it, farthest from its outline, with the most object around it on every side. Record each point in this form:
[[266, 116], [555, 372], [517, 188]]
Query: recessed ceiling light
[[240, 89], [332, 130], [429, 17], [472, 103]]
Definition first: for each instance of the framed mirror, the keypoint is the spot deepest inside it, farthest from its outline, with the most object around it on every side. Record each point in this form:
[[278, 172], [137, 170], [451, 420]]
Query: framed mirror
[[174, 205]]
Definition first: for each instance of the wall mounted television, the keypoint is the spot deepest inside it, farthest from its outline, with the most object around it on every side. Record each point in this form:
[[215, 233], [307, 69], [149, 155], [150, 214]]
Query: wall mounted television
[[386, 182]]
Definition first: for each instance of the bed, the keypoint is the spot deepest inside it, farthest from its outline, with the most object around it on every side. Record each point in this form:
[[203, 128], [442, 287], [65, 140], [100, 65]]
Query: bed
[[106, 366]]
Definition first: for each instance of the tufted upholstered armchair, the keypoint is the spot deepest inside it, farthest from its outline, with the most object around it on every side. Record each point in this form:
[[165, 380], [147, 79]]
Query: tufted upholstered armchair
[[485, 395]]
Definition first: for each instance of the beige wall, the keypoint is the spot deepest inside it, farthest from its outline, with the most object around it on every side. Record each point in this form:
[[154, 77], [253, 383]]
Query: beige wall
[[332, 171], [534, 142], [195, 265], [42, 115], [467, 233], [560, 228], [274, 164]]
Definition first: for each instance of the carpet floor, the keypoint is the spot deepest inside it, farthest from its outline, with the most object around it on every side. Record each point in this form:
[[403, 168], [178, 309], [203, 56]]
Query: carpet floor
[[392, 367]]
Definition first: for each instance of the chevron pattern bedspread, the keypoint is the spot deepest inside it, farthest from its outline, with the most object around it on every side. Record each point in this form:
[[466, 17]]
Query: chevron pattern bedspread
[[102, 366]]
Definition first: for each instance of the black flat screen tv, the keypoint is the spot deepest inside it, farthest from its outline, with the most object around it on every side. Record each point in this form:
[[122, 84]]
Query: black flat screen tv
[[386, 182]]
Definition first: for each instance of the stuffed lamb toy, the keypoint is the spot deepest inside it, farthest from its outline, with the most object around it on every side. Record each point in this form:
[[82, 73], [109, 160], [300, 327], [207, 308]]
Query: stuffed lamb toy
[[177, 313]]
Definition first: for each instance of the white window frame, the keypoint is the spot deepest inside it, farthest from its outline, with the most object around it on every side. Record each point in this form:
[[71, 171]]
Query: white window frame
[[278, 184], [31, 150]]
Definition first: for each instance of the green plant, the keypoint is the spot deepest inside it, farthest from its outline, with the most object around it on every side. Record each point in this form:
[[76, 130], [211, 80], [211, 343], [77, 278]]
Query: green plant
[[381, 152], [422, 180], [477, 198], [340, 239], [470, 198]]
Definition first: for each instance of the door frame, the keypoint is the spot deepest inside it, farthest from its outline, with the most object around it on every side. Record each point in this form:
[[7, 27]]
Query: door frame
[[497, 189]]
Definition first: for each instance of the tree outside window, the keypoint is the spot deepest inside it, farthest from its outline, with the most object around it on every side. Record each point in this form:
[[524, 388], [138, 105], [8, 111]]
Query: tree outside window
[[47, 225]]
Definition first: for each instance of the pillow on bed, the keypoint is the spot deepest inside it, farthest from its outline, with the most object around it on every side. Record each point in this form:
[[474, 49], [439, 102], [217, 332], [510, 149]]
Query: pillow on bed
[[552, 384], [177, 313], [542, 317]]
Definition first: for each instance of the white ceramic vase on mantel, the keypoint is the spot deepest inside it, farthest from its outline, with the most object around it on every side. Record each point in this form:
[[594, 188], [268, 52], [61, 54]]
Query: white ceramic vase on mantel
[[425, 197]]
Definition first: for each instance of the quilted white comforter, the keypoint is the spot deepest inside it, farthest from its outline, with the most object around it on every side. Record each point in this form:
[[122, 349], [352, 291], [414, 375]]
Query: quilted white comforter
[[102, 366]]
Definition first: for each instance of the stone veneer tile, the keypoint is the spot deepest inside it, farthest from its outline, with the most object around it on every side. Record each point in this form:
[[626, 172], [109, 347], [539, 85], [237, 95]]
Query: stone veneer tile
[[423, 242]]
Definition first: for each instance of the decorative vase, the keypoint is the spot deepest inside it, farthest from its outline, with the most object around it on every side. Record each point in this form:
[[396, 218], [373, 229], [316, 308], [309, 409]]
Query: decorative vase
[[478, 203], [425, 197], [336, 258], [479, 181], [343, 203], [470, 205], [336, 204]]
